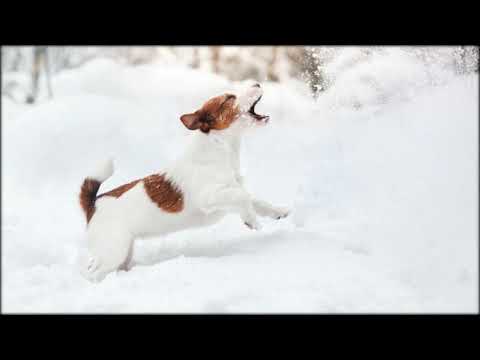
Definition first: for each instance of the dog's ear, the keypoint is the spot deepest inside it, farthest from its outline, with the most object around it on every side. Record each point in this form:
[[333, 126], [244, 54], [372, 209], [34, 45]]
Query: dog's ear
[[191, 121]]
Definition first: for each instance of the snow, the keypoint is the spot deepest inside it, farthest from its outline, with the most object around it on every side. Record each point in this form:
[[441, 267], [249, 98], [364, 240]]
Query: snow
[[384, 195], [384, 75]]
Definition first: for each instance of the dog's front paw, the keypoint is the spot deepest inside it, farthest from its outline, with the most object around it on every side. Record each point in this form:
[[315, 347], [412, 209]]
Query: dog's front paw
[[252, 223], [279, 213], [254, 226]]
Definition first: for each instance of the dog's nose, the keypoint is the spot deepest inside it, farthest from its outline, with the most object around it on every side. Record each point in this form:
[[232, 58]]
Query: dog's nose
[[256, 85]]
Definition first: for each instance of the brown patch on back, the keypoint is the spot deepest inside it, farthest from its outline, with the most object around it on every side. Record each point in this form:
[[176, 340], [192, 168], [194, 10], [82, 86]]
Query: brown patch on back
[[88, 194], [160, 190], [217, 113], [163, 193], [118, 191]]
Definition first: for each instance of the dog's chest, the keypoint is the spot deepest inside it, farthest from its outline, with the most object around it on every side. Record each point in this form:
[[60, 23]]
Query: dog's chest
[[202, 172]]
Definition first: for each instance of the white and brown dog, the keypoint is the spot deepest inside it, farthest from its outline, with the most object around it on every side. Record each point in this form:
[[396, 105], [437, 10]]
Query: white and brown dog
[[202, 186]]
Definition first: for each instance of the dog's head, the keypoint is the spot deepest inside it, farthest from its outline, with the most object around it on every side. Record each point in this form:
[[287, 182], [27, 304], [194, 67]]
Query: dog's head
[[234, 111]]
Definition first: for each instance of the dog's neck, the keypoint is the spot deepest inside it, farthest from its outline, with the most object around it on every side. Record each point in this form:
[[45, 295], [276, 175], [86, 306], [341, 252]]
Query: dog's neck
[[229, 142], [223, 149], [221, 152]]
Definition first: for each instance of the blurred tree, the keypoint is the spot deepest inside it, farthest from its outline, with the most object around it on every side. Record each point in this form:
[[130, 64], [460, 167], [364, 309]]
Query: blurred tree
[[313, 73], [12, 58], [195, 58], [40, 58], [271, 70], [294, 56], [460, 60], [466, 59], [16, 59], [215, 50], [475, 55]]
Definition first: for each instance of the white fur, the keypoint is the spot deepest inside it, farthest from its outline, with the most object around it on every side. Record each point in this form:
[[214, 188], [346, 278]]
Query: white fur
[[208, 175]]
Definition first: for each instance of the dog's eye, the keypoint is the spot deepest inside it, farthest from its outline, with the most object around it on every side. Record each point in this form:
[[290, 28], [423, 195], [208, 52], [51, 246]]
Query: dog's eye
[[208, 118]]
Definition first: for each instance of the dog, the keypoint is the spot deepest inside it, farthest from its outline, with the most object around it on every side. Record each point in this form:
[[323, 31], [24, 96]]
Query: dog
[[199, 189]]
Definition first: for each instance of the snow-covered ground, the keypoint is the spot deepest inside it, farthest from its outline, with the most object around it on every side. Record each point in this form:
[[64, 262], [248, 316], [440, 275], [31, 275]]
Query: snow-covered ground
[[382, 181]]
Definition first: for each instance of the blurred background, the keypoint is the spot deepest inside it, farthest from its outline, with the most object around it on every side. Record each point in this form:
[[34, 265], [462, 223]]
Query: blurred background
[[28, 71]]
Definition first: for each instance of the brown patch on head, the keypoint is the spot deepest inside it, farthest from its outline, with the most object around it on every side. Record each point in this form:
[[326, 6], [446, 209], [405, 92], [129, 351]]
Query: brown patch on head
[[217, 113], [163, 193], [159, 189], [88, 194]]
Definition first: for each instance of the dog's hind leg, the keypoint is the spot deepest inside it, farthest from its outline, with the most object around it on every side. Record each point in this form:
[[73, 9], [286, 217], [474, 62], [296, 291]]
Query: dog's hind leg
[[108, 251], [127, 264]]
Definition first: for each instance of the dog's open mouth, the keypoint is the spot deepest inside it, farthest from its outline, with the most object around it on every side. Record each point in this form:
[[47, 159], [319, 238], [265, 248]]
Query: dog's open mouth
[[256, 116]]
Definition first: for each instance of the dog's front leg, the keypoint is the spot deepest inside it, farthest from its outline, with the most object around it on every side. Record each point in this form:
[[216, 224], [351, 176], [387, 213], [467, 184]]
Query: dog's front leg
[[265, 209], [232, 199]]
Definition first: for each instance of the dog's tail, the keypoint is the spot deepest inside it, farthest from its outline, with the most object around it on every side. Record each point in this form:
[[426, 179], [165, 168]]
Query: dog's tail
[[90, 186]]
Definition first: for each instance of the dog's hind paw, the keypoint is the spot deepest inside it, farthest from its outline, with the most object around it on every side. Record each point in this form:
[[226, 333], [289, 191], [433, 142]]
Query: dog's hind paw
[[92, 264], [92, 270]]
